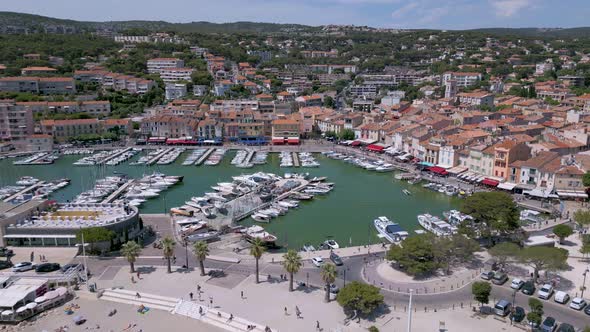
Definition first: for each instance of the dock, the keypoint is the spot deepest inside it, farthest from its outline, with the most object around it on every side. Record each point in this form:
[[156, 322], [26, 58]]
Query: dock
[[118, 192], [158, 156], [24, 191], [113, 156], [204, 156], [295, 159], [248, 157], [536, 207]]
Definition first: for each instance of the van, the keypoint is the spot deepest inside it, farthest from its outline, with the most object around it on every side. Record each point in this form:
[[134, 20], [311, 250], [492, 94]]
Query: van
[[502, 308], [561, 297]]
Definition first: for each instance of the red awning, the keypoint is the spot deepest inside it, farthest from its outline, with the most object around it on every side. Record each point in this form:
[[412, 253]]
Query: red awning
[[278, 141], [355, 143], [376, 148], [490, 182], [293, 140], [438, 170]]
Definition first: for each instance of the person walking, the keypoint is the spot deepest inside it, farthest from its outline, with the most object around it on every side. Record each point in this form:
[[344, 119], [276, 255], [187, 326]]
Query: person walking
[[32, 256], [317, 325], [242, 295], [191, 295], [286, 311]]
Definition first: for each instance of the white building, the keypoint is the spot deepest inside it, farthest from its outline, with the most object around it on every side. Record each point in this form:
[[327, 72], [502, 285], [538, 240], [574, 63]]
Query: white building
[[175, 91], [542, 68], [176, 74], [158, 64], [463, 79]]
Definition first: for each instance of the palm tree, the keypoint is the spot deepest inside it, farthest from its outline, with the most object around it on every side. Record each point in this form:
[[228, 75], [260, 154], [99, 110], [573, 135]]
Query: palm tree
[[201, 250], [168, 250], [131, 251], [292, 264], [329, 274], [256, 250]]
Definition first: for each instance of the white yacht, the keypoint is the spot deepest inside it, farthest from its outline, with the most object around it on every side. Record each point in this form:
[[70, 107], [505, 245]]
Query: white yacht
[[389, 230], [435, 225], [331, 244], [258, 232]]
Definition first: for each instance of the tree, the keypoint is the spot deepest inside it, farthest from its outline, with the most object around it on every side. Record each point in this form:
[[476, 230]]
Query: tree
[[562, 232], [504, 251], [131, 251], [168, 250], [582, 218], [292, 263], [329, 102], [346, 134], [256, 250], [586, 179], [585, 249], [454, 249], [544, 258], [201, 250], [359, 297], [416, 254], [533, 318], [536, 306], [328, 274], [481, 291], [494, 213]]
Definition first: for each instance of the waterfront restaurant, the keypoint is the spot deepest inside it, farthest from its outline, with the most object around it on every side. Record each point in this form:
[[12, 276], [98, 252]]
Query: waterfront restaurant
[[58, 226]]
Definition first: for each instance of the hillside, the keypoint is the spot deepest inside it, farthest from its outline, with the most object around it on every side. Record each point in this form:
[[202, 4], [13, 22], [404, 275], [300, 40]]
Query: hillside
[[537, 32]]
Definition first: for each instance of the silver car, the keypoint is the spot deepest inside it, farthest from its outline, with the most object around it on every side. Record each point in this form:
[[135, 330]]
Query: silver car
[[23, 266]]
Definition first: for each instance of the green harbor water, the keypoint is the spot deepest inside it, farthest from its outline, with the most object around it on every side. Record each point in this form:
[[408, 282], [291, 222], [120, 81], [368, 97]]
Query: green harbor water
[[345, 214]]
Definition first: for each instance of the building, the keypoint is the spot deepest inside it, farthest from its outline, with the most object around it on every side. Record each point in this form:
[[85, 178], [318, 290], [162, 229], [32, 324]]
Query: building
[[32, 71], [117, 126], [285, 131], [308, 101], [572, 81], [16, 122], [320, 54], [477, 98], [39, 142], [542, 68], [38, 85], [463, 79], [364, 90], [132, 39], [200, 90], [62, 130], [362, 105], [157, 65], [176, 74], [169, 126], [450, 89], [175, 91], [506, 153]]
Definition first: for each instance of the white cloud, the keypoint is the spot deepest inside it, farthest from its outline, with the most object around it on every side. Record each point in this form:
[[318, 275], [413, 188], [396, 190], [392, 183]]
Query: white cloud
[[508, 8]]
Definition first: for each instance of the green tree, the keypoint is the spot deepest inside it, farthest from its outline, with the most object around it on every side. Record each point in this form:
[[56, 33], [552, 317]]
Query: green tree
[[359, 297], [585, 249], [544, 258], [534, 318], [494, 213], [93, 235], [328, 274], [416, 254], [256, 250], [504, 252], [586, 179], [536, 305], [562, 232], [131, 251], [292, 263], [582, 218], [454, 249], [481, 291], [373, 328], [201, 250], [168, 245], [329, 102], [346, 134]]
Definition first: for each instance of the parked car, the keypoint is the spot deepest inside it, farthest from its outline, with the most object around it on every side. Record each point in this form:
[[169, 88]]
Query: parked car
[[516, 283], [317, 261], [502, 308], [47, 267], [561, 297], [499, 278], [528, 288], [23, 266], [517, 315], [549, 324], [5, 252], [545, 292], [333, 289], [565, 327], [487, 275], [5, 265], [577, 303], [68, 267], [336, 259], [587, 310]]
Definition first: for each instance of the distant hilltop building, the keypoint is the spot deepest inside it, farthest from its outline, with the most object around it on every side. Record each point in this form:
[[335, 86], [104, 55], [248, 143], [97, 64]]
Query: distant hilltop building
[[158, 37]]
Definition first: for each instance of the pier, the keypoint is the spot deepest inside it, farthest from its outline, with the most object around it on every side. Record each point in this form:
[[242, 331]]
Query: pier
[[118, 192], [204, 156], [536, 207], [295, 159], [158, 156], [113, 156], [24, 191], [248, 157]]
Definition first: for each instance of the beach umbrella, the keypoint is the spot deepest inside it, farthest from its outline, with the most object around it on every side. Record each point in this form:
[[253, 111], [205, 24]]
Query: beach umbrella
[[61, 291], [40, 299], [31, 305], [21, 309], [51, 295], [7, 312]]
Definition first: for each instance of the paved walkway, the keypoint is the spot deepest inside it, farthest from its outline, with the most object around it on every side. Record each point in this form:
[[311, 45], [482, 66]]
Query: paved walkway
[[325, 254]]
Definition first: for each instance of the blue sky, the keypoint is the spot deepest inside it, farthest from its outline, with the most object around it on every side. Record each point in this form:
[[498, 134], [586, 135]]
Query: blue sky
[[442, 14]]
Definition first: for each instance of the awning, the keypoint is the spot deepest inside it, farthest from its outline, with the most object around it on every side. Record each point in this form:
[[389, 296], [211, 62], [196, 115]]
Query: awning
[[572, 193], [293, 140], [457, 170], [490, 182], [376, 148], [507, 185], [366, 141], [39, 236], [438, 170], [355, 143], [276, 140], [539, 192], [424, 163]]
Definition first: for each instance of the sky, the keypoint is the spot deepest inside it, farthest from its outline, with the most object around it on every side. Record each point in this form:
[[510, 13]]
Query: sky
[[436, 14]]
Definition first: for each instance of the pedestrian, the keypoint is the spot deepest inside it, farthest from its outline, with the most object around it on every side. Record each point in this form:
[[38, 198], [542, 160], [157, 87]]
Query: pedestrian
[[286, 311], [198, 288], [211, 302], [317, 325], [200, 310], [32, 256], [137, 295], [191, 296], [138, 275], [242, 295], [231, 317], [132, 280]]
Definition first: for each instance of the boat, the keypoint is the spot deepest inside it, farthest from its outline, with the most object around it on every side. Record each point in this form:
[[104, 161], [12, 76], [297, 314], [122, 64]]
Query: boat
[[308, 248], [258, 232], [385, 168], [181, 211], [193, 228], [407, 192], [435, 225], [260, 217], [389, 230], [415, 180], [455, 217], [331, 244], [27, 181], [187, 221], [206, 236]]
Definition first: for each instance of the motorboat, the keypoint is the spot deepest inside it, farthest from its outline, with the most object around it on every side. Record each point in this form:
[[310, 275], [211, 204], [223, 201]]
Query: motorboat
[[331, 244], [258, 232], [308, 248], [27, 181], [389, 230], [187, 221], [435, 225], [385, 168], [407, 192], [193, 228], [181, 211], [261, 217], [206, 236], [455, 217]]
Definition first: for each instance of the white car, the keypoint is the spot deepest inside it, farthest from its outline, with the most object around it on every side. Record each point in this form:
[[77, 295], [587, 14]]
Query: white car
[[317, 261], [561, 297], [516, 283], [545, 292], [578, 303], [23, 266]]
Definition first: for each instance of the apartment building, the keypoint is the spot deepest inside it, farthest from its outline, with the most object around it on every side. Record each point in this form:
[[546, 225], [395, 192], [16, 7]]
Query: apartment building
[[62, 130], [16, 123], [364, 90], [209, 129], [91, 107], [478, 158], [506, 153], [175, 91], [157, 65], [320, 54], [32, 71], [38, 85], [463, 79], [38, 142], [176, 74], [476, 98], [169, 126], [285, 128]]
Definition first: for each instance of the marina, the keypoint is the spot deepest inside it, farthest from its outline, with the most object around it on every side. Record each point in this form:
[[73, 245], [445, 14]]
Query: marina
[[345, 214], [41, 158]]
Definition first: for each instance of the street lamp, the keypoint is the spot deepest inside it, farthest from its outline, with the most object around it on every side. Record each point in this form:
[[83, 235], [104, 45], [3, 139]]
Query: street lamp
[[584, 282], [186, 252], [410, 312]]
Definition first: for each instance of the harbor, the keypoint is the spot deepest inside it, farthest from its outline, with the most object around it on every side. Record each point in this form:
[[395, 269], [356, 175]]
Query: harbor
[[346, 214]]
